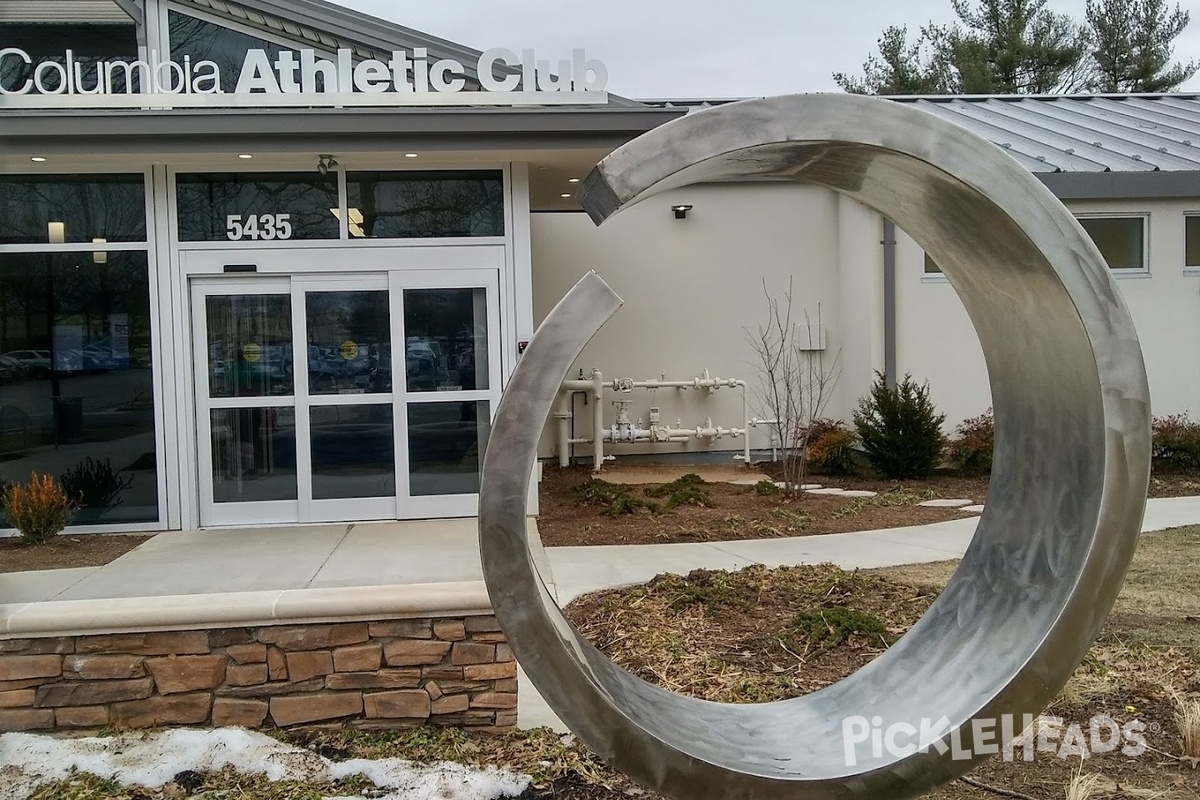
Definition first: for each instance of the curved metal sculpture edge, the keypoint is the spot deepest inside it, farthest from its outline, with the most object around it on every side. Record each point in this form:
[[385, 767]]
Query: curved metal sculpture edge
[[1066, 499]]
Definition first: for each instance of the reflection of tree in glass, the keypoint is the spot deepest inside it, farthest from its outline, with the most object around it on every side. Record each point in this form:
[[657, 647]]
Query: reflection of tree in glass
[[109, 207], [89, 44], [206, 201], [429, 204], [205, 41]]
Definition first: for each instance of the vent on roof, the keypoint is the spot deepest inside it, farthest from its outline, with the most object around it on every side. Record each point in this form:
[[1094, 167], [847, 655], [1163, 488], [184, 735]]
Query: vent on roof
[[96, 12]]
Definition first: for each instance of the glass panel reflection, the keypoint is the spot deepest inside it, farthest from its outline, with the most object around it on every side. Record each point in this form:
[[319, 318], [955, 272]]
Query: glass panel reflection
[[206, 41], [70, 210], [446, 443], [76, 389], [407, 205], [254, 454], [349, 342], [446, 344], [250, 345], [269, 206], [90, 44], [353, 452]]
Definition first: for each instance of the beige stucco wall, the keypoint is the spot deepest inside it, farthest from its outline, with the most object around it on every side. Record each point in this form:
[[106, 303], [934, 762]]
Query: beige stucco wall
[[693, 287]]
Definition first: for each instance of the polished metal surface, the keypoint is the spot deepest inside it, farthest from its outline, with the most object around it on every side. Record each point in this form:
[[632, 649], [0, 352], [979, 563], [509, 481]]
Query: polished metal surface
[[1068, 485]]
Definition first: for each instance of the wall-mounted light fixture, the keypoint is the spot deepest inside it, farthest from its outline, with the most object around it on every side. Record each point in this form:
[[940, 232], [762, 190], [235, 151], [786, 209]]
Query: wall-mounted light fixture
[[325, 162], [56, 232], [100, 256], [681, 212]]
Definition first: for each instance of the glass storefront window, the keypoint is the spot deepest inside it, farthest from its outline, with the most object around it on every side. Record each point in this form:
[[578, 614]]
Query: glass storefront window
[[349, 342], [411, 205], [446, 444], [207, 41], [248, 207], [72, 209], [89, 44], [254, 454], [76, 387], [353, 452], [446, 342], [250, 345]]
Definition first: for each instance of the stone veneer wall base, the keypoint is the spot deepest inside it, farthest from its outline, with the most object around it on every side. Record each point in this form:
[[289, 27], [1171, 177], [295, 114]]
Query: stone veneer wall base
[[387, 674]]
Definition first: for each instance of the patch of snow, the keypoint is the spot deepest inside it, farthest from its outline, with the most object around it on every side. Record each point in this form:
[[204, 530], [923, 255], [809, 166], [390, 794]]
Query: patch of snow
[[154, 759]]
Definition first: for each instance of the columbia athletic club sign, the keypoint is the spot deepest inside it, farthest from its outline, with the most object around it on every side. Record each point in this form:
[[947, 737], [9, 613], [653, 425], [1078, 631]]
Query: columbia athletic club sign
[[300, 79]]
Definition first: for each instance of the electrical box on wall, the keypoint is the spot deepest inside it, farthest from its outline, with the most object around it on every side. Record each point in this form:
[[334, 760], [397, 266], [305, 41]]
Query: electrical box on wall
[[810, 337]]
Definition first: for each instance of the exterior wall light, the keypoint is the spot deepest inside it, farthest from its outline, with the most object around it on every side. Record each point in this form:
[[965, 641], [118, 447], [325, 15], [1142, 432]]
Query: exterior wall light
[[38, 159], [325, 162], [681, 212], [245, 156]]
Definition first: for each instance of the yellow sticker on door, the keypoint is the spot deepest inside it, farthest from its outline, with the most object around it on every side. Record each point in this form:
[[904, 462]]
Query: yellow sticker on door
[[252, 353], [349, 350]]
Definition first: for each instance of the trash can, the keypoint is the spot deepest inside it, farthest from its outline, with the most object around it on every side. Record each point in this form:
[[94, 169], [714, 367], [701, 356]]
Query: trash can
[[68, 420]]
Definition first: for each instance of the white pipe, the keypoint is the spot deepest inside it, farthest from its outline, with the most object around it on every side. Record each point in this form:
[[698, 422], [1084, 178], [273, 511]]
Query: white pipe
[[563, 415], [597, 420]]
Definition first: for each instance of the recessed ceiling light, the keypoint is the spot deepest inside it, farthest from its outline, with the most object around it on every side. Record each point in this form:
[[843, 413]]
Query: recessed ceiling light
[[39, 159], [410, 155], [565, 195], [573, 180], [245, 155]]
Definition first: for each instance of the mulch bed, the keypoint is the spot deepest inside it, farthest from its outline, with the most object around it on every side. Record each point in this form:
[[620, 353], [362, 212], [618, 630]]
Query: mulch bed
[[65, 552], [735, 637], [739, 512]]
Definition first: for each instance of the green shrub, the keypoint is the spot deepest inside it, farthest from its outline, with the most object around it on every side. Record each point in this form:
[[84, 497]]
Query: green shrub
[[766, 489], [829, 627], [970, 451], [614, 498], [1176, 444], [831, 447], [688, 490], [900, 429], [39, 510]]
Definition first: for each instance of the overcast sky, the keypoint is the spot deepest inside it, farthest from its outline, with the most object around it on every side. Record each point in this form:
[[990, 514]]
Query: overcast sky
[[697, 48]]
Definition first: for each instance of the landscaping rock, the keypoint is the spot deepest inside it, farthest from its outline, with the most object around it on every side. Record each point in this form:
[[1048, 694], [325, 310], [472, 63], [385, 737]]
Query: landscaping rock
[[381, 679], [494, 700], [402, 629], [154, 712], [413, 704], [465, 653], [20, 668], [92, 693], [315, 637], [230, 712], [97, 668], [187, 673], [276, 664], [450, 704], [859, 493], [21, 698], [31, 719], [450, 630], [147, 644], [299, 710], [87, 717], [253, 653], [945, 503], [358, 658], [409, 653], [302, 666], [490, 672], [245, 674]]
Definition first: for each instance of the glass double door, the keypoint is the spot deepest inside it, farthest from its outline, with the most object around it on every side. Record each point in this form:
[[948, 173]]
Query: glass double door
[[355, 397]]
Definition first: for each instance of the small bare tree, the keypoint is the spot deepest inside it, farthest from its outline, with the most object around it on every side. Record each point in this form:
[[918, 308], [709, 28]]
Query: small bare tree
[[796, 380]]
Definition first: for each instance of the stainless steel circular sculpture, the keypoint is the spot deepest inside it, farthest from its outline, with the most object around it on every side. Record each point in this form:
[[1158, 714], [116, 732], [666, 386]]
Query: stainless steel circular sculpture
[[1068, 484]]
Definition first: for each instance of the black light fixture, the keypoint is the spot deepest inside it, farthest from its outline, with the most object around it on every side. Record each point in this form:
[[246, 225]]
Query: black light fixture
[[681, 212], [325, 162]]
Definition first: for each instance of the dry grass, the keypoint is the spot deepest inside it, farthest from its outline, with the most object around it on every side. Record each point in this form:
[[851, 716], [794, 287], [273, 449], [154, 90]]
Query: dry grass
[[1187, 719], [1085, 787]]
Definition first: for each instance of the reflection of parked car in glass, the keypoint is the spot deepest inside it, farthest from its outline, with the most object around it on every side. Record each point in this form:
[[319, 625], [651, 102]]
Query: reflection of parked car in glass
[[11, 369], [36, 361]]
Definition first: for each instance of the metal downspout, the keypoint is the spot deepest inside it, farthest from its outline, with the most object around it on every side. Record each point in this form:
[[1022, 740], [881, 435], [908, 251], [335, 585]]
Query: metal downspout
[[889, 303]]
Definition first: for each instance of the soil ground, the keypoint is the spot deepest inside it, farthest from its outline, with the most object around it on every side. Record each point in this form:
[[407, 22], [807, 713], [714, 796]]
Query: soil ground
[[65, 552], [750, 636], [733, 512]]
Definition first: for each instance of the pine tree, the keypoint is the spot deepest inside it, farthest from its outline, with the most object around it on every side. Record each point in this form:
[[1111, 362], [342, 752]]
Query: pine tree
[[1133, 43], [920, 67]]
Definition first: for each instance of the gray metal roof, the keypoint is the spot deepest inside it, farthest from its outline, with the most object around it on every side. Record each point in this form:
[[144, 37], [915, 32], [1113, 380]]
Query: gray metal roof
[[1068, 133]]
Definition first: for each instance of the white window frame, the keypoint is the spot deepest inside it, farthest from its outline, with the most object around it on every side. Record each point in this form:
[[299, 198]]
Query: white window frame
[[1126, 272]]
